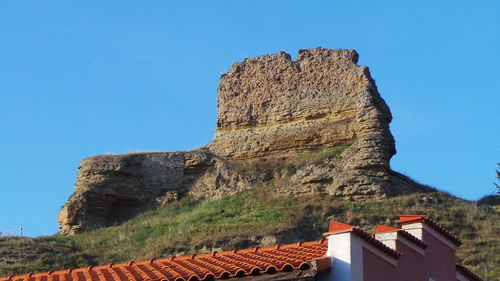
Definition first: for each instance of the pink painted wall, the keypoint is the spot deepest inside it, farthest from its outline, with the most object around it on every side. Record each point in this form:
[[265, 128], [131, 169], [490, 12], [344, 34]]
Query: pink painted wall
[[376, 269], [438, 263], [440, 258]]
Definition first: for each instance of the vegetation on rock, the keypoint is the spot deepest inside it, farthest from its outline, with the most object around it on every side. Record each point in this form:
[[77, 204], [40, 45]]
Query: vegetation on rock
[[270, 110]]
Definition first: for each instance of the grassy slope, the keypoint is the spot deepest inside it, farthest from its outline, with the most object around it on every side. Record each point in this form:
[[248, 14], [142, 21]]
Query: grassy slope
[[253, 218], [23, 254]]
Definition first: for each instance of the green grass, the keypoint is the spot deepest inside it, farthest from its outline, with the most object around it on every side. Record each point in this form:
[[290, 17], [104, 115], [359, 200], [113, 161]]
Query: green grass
[[24, 255], [314, 157], [251, 218], [290, 163]]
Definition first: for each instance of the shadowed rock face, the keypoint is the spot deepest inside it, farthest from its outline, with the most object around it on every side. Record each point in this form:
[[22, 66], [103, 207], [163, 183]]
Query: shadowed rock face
[[110, 189], [272, 112]]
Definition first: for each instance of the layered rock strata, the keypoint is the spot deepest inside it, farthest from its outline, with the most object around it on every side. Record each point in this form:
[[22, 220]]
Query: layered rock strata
[[270, 105], [314, 124], [110, 189]]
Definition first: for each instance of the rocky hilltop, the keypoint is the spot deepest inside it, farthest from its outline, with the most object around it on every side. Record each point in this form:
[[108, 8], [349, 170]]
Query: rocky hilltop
[[316, 124], [271, 105]]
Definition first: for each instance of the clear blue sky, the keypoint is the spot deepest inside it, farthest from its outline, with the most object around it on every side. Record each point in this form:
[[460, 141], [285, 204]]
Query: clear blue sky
[[103, 77]]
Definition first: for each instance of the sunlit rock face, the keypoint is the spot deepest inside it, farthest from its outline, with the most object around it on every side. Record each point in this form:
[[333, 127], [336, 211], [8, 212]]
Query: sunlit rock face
[[316, 124], [271, 105]]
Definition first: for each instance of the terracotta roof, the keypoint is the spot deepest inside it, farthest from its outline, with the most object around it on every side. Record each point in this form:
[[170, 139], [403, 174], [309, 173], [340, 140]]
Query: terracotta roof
[[338, 227], [385, 229], [197, 267], [408, 219], [467, 273], [405, 234]]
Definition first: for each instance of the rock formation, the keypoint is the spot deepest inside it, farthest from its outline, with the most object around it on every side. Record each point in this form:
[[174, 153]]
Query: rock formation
[[316, 124], [113, 188], [272, 105]]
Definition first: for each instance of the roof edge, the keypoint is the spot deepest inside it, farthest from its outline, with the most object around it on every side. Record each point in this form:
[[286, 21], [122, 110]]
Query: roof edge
[[467, 273]]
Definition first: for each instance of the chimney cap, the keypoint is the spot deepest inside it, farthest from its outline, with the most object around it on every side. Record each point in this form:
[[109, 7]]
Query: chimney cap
[[407, 219], [336, 227], [385, 229]]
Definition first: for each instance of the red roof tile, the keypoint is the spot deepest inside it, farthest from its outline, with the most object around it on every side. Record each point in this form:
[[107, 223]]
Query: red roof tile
[[408, 219], [405, 234], [385, 229], [196, 267], [338, 227]]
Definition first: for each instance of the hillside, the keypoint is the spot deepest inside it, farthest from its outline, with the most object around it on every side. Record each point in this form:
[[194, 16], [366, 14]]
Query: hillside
[[297, 143], [271, 112], [253, 218]]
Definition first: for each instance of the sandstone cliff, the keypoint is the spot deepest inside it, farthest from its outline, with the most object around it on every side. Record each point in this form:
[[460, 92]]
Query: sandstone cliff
[[273, 105], [113, 188], [316, 124]]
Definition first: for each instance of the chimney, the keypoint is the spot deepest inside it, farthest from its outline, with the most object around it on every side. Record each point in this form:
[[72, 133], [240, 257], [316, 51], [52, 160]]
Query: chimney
[[394, 238], [387, 235], [426, 230], [346, 245], [343, 249], [414, 224]]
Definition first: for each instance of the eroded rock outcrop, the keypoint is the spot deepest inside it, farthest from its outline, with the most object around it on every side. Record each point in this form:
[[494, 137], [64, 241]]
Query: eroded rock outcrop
[[314, 124], [110, 189], [113, 188], [272, 105]]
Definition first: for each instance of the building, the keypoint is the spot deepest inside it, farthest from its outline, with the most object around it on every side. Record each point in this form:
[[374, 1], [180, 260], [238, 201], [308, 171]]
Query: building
[[420, 250]]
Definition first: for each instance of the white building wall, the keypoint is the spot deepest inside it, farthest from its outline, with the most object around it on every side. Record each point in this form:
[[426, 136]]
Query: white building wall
[[347, 257]]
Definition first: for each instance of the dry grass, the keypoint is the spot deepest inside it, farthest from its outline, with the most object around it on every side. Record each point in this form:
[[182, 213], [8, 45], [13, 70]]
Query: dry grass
[[290, 163], [23, 254]]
